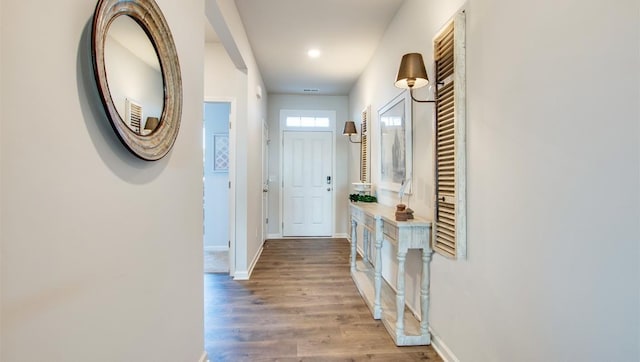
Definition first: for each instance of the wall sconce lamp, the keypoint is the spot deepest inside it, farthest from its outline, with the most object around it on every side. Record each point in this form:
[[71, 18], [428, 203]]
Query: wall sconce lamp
[[349, 130], [412, 74]]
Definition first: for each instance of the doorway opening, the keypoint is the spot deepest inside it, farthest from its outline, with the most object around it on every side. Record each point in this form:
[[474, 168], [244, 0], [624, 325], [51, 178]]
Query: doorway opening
[[265, 180], [216, 198]]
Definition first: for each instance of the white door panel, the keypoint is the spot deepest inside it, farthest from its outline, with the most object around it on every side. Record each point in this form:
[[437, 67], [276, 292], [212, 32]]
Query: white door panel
[[307, 184]]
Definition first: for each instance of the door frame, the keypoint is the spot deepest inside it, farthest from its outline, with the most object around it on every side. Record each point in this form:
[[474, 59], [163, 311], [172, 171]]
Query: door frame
[[332, 128], [265, 169], [232, 178]]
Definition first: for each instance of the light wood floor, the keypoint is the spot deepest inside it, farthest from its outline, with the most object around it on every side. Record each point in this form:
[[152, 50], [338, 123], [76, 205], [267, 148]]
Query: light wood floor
[[300, 305]]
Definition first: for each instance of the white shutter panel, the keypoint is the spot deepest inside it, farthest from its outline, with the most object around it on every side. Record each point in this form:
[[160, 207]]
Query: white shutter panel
[[133, 117], [449, 229]]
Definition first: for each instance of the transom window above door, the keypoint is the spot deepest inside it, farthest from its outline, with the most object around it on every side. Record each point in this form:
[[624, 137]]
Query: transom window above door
[[295, 121], [304, 120]]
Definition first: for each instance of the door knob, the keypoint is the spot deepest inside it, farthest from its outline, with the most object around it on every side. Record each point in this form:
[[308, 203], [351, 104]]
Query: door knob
[[328, 188]]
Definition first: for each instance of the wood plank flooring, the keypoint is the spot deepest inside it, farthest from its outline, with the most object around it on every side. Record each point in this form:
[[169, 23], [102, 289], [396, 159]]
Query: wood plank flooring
[[300, 305]]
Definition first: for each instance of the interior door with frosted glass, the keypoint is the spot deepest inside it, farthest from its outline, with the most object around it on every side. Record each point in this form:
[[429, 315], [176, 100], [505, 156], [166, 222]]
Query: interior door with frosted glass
[[307, 184]]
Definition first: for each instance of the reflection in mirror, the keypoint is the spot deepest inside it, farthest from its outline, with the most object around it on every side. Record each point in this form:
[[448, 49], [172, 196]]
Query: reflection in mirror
[[134, 75]]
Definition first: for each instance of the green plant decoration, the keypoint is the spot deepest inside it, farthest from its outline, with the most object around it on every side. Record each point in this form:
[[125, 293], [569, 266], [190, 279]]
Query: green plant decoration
[[362, 198]]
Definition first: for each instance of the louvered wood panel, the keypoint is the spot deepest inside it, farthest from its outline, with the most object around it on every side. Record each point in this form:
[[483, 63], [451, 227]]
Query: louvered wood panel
[[364, 145], [133, 116], [449, 229]]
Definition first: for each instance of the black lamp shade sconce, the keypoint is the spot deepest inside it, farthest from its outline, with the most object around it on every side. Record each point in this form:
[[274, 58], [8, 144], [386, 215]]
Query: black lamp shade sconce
[[349, 130], [412, 74]]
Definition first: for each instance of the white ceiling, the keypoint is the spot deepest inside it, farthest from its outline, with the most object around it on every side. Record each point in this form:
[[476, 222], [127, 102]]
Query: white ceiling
[[347, 33]]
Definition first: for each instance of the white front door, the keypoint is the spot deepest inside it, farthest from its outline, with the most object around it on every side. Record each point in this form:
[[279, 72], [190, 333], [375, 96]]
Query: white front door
[[307, 184]]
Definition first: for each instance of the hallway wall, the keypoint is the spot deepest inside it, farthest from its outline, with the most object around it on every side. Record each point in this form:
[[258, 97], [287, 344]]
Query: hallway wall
[[1, 178], [553, 177], [251, 113], [101, 252]]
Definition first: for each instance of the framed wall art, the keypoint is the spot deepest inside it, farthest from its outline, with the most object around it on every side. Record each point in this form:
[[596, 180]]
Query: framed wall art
[[395, 148]]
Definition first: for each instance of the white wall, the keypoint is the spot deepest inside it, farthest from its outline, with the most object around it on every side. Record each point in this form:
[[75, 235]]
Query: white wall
[[222, 79], [101, 251], [248, 177], [1, 178], [339, 104], [553, 174]]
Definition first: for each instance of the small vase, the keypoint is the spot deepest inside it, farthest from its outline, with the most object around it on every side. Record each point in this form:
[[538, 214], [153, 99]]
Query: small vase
[[401, 213]]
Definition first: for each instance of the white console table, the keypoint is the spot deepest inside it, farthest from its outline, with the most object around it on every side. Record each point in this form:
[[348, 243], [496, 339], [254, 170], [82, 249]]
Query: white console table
[[379, 220]]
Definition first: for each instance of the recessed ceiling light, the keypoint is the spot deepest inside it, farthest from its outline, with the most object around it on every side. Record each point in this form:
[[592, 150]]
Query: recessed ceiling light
[[313, 53]]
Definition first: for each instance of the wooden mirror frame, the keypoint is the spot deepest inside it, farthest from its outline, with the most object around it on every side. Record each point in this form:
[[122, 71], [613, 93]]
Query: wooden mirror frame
[[147, 14]]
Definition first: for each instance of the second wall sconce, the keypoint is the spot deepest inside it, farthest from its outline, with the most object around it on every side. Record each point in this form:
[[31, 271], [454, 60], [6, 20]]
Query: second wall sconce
[[349, 130], [412, 74]]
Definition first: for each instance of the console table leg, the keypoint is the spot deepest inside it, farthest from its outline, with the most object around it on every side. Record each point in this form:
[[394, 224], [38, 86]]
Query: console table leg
[[424, 293], [402, 256], [377, 307], [365, 245], [354, 242]]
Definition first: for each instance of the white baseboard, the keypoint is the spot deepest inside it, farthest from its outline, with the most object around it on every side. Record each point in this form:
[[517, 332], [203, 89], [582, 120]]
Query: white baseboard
[[241, 275], [255, 259], [216, 248], [359, 250], [335, 236], [441, 348], [204, 357], [245, 275]]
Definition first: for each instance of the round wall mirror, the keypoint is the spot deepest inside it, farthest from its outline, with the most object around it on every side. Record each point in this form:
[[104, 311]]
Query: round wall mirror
[[138, 75]]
